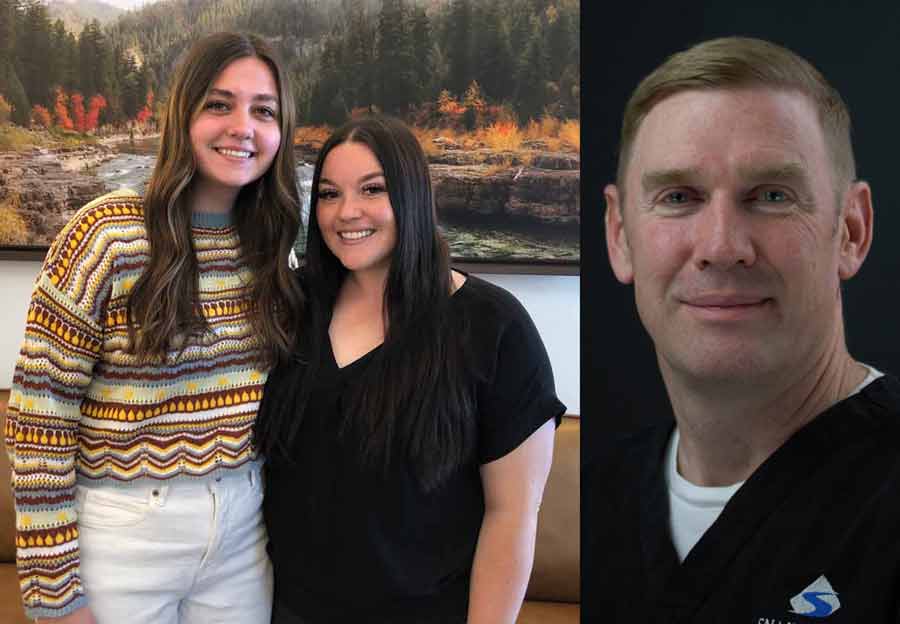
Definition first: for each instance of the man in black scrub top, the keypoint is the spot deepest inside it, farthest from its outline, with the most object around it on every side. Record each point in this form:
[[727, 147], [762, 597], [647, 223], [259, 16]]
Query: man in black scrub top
[[772, 495]]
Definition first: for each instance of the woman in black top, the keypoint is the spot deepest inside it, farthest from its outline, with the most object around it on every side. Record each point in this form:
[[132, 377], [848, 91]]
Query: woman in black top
[[409, 438]]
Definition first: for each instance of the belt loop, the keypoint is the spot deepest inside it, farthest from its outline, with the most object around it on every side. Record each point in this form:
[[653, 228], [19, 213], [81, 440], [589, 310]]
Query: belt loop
[[253, 477]]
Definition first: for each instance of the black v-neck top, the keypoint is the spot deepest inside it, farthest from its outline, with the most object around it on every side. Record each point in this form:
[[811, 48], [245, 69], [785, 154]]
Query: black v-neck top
[[825, 504], [351, 545]]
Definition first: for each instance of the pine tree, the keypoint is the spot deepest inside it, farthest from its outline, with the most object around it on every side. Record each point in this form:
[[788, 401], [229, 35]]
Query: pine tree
[[64, 55], [421, 63], [7, 31], [495, 69], [357, 80], [459, 48], [90, 52], [531, 79], [396, 84], [560, 40], [326, 105], [520, 28], [132, 96], [15, 94], [34, 53]]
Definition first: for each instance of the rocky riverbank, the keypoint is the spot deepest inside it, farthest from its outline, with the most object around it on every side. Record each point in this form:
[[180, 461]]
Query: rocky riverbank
[[49, 184], [542, 186], [481, 188]]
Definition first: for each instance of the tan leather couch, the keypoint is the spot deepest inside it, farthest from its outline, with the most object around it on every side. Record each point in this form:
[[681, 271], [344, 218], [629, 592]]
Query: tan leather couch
[[553, 593]]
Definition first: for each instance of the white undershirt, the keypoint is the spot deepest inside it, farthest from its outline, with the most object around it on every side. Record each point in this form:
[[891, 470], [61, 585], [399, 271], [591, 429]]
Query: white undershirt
[[693, 508]]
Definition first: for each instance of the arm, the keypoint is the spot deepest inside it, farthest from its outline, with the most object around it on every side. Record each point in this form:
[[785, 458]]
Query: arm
[[44, 412], [513, 487], [63, 340]]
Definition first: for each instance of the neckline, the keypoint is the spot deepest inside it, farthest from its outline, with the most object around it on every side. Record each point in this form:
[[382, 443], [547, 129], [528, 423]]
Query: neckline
[[374, 349], [365, 356], [212, 220]]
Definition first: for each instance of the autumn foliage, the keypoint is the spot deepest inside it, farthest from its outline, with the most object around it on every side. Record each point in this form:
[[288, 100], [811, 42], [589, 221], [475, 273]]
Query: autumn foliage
[[40, 116], [78, 115], [5, 110], [69, 112], [95, 106], [502, 135], [61, 110], [147, 112]]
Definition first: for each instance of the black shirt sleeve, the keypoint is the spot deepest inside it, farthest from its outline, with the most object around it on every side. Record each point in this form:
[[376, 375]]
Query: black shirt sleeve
[[520, 395]]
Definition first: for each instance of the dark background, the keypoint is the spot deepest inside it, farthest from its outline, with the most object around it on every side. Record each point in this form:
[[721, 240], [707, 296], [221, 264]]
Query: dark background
[[856, 46]]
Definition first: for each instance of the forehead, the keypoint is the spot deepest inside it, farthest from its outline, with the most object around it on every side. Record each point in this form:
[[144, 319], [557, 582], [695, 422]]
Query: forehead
[[718, 133], [350, 160], [249, 74]]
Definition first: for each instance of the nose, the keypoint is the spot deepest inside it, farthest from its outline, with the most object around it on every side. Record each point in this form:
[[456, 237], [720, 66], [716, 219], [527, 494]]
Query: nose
[[241, 126], [348, 208], [724, 235]]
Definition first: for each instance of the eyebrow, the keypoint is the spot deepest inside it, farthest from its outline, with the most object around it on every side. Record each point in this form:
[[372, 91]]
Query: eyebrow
[[782, 172], [668, 177], [365, 178], [259, 97]]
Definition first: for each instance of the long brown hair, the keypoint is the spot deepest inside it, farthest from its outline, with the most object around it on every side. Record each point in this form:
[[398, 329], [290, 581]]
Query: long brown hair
[[162, 305]]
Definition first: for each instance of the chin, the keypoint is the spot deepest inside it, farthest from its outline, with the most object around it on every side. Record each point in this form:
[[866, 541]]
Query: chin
[[724, 361]]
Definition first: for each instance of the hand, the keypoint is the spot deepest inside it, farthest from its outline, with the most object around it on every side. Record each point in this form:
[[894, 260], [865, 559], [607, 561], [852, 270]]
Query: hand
[[79, 616]]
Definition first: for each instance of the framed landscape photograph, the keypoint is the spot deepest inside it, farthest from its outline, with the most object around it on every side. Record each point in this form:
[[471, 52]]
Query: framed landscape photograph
[[490, 88]]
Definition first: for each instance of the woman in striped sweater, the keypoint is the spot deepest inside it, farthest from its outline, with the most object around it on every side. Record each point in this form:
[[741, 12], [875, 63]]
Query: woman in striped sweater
[[150, 333]]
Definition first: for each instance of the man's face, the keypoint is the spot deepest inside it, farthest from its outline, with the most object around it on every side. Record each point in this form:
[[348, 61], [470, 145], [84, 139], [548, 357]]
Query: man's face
[[732, 234]]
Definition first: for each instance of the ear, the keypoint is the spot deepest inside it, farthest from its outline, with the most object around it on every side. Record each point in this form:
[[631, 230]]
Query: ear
[[616, 237], [855, 229]]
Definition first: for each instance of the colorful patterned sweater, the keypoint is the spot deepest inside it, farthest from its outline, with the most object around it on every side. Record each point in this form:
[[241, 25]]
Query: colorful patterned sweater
[[83, 410]]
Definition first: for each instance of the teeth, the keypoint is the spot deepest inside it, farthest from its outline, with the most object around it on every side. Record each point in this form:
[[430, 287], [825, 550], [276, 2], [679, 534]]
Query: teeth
[[234, 153], [356, 235]]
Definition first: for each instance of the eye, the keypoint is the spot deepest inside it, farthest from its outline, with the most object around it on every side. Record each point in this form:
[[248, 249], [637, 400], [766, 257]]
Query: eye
[[326, 194], [216, 106], [771, 198], [267, 112], [676, 197], [675, 200], [374, 189]]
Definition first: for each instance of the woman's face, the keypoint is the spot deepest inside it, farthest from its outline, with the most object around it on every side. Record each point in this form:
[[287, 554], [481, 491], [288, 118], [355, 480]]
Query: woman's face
[[236, 134], [354, 211]]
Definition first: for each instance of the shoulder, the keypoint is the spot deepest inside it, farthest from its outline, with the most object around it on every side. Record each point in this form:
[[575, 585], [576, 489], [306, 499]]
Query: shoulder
[[873, 413], [116, 210], [485, 301], [123, 204], [881, 396], [91, 236]]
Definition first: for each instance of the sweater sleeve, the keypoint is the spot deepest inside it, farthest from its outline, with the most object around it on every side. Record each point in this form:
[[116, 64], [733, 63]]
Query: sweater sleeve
[[63, 341]]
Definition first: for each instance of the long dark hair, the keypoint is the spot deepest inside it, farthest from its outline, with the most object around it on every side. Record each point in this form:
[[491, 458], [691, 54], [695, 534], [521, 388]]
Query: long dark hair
[[416, 403], [163, 303]]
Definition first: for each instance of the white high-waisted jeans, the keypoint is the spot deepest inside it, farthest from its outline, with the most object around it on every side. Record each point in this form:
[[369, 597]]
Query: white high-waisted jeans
[[184, 552]]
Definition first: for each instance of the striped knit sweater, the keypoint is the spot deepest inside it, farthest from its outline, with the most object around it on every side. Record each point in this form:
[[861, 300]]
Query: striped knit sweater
[[83, 410]]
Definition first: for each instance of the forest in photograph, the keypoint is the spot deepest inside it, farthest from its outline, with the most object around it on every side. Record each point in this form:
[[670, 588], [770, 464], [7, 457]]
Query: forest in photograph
[[491, 88]]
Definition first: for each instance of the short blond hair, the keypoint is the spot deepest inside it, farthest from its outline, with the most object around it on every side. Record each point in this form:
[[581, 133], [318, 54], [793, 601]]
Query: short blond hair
[[742, 62]]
